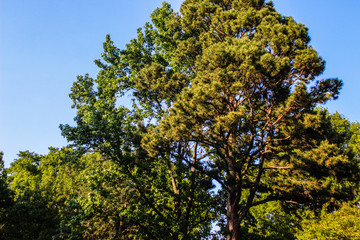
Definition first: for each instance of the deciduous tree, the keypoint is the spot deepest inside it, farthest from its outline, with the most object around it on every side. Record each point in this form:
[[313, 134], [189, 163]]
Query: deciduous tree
[[341, 224], [174, 201], [225, 91]]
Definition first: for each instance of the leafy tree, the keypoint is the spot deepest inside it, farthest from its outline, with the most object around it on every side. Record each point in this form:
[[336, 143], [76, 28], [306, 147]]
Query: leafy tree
[[95, 211], [5, 200], [42, 186], [24, 174], [271, 221], [30, 216], [224, 92], [173, 199], [4, 190], [161, 209], [275, 220], [341, 224], [250, 108]]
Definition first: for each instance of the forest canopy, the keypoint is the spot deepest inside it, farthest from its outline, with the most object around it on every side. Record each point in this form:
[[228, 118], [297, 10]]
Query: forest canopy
[[226, 138]]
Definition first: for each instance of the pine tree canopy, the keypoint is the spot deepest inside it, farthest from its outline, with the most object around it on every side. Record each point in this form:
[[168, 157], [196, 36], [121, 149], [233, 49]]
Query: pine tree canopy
[[225, 92]]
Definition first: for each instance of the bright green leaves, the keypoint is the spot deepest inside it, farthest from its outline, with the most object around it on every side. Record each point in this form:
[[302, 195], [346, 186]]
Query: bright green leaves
[[42, 187], [82, 91], [168, 31], [152, 67], [270, 221], [101, 123], [24, 174], [102, 198], [354, 142], [340, 224]]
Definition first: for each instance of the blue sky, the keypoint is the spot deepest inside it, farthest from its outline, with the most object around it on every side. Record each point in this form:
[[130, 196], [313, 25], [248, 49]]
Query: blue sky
[[45, 44]]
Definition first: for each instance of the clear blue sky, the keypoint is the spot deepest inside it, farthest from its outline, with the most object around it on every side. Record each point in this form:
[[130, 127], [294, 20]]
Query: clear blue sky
[[45, 44]]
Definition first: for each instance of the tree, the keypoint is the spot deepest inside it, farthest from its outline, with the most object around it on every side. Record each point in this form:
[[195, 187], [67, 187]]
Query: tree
[[5, 200], [278, 220], [30, 216], [270, 221], [225, 91], [341, 224], [61, 195], [173, 200], [5, 193], [99, 209], [42, 187], [248, 105]]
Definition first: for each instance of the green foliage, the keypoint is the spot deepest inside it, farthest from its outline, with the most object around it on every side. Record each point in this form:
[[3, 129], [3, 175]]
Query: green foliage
[[5, 192], [92, 210], [172, 199], [41, 188], [29, 216], [5, 200], [225, 92], [271, 222], [281, 220], [250, 106], [343, 223]]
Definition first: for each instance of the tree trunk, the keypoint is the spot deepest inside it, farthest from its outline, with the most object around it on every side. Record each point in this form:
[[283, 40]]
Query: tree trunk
[[232, 212]]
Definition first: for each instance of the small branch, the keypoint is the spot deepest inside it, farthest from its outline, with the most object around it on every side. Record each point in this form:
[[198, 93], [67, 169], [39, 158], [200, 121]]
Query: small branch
[[281, 139], [277, 167], [268, 199], [200, 169]]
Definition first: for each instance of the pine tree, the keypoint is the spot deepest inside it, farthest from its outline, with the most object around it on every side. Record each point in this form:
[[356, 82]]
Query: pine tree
[[225, 91]]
